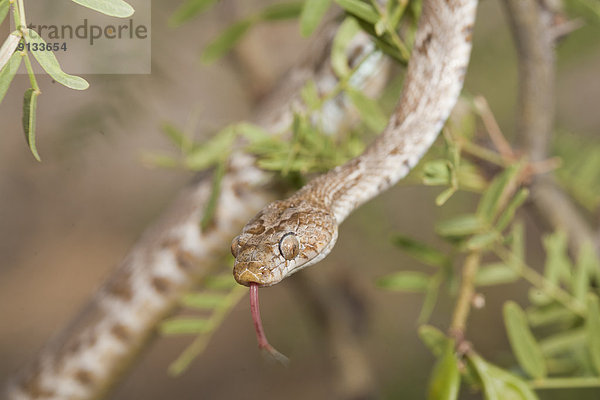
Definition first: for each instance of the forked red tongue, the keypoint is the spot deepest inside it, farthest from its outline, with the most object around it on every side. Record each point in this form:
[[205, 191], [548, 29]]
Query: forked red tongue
[[263, 343]]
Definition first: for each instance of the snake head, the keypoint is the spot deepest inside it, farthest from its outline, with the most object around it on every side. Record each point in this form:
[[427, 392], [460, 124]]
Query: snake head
[[281, 239]]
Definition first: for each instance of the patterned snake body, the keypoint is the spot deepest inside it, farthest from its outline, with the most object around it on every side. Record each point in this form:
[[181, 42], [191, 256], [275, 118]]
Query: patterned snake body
[[291, 234]]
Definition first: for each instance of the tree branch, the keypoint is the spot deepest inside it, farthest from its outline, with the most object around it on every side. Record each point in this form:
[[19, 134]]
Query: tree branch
[[531, 22]]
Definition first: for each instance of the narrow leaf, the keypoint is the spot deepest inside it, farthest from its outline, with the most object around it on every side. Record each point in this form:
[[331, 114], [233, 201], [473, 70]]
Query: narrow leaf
[[407, 281], [211, 205], [445, 378], [212, 151], [460, 226], [482, 240], [339, 59], [176, 136], [222, 44], [4, 7], [183, 326], [8, 73], [509, 213], [8, 48], [29, 110], [253, 133], [495, 274], [592, 326], [490, 203], [523, 343], [189, 10], [563, 342], [312, 13], [433, 338], [48, 61], [310, 95], [277, 12], [361, 9], [437, 172], [586, 268], [443, 197], [431, 296], [558, 266], [421, 251], [499, 384], [550, 314], [369, 110], [114, 8]]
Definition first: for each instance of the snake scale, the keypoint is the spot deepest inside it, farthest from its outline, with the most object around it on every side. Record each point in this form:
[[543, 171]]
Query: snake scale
[[288, 235]]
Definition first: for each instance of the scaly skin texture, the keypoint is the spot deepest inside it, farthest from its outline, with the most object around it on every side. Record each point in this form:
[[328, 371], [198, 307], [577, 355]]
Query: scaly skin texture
[[434, 79]]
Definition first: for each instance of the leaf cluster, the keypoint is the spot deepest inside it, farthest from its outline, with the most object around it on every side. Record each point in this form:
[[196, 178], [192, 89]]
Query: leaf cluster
[[24, 41], [556, 339], [211, 303]]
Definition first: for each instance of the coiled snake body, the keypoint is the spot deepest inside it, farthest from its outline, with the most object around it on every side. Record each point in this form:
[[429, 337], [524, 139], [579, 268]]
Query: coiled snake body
[[291, 234]]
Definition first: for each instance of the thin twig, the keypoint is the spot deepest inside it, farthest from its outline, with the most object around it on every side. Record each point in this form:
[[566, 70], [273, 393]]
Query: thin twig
[[465, 295], [531, 24]]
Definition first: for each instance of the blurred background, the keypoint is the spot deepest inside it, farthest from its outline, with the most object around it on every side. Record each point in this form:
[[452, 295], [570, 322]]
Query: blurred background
[[66, 223]]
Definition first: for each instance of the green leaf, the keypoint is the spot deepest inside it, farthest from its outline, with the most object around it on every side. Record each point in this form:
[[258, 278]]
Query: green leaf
[[50, 64], [437, 172], [185, 326], [114, 8], [339, 59], [563, 342], [205, 301], [592, 327], [499, 384], [461, 225], [550, 314], [586, 268], [482, 240], [517, 243], [523, 344], [369, 110], [310, 95], [281, 11], [495, 274], [443, 197], [312, 13], [433, 338], [29, 110], [188, 10], [361, 9], [406, 281], [176, 136], [8, 48], [421, 251], [507, 216], [431, 296], [558, 265], [4, 7], [445, 378], [212, 152], [490, 203], [222, 44], [211, 204], [8, 73]]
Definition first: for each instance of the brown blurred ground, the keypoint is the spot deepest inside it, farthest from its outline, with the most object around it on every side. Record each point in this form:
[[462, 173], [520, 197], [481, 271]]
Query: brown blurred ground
[[65, 223]]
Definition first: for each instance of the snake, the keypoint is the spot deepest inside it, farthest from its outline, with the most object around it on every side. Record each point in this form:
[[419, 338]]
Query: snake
[[289, 235]]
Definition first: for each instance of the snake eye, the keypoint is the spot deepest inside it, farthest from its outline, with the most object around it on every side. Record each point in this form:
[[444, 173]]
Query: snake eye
[[289, 246], [235, 246]]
